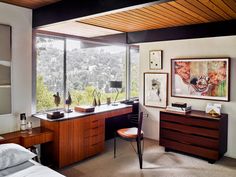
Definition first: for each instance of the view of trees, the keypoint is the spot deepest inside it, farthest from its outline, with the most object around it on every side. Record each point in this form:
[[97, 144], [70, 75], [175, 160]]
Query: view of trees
[[89, 66]]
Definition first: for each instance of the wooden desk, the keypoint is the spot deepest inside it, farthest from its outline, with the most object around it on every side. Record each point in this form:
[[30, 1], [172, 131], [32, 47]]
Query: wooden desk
[[39, 136], [78, 135]]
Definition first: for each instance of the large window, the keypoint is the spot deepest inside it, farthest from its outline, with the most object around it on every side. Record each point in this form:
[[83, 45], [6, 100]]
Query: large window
[[80, 67], [134, 72], [50, 63], [91, 66]]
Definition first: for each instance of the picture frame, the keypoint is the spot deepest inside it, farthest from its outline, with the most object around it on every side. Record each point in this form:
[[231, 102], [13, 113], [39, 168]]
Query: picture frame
[[155, 89], [201, 78], [155, 59]]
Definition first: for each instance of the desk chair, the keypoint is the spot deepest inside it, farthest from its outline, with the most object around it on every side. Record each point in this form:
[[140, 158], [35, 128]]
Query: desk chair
[[132, 134]]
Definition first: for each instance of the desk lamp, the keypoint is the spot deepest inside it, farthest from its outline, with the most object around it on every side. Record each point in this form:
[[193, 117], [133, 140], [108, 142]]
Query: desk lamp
[[116, 85]]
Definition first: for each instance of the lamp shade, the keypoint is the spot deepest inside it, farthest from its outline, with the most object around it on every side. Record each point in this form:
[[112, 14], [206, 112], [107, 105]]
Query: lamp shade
[[116, 84]]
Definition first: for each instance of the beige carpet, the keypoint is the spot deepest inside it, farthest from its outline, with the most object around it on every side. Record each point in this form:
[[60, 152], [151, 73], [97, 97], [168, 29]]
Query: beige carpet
[[157, 163]]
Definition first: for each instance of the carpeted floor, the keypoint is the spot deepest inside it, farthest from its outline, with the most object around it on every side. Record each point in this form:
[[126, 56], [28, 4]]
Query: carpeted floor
[[156, 163]]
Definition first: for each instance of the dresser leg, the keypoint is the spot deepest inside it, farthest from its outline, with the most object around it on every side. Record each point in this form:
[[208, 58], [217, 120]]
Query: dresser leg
[[167, 149], [211, 161]]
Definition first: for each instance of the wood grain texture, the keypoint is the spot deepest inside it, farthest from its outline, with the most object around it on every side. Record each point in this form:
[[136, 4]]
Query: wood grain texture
[[194, 133], [77, 138], [38, 136], [165, 15]]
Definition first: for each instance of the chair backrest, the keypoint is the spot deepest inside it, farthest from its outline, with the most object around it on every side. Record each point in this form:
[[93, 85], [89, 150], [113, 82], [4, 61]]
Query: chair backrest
[[140, 122]]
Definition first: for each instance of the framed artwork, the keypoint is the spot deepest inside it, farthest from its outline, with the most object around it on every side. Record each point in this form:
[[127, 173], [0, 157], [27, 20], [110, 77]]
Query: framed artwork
[[156, 89], [155, 59], [201, 78]]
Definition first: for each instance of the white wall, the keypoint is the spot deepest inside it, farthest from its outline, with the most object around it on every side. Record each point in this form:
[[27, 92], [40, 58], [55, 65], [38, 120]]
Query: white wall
[[205, 47], [21, 21]]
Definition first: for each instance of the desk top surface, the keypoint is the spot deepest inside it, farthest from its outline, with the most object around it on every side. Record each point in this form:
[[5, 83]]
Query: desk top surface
[[74, 114]]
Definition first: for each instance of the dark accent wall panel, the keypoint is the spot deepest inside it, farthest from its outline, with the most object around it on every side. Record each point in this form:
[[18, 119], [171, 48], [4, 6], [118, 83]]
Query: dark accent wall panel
[[225, 28], [68, 9]]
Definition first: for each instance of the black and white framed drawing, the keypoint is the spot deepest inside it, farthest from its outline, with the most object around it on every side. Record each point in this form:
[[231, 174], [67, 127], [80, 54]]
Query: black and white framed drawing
[[156, 89]]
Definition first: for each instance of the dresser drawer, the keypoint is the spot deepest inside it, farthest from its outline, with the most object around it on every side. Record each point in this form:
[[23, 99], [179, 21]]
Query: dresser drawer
[[95, 148], [189, 139], [119, 112], [36, 139], [97, 123], [190, 130], [207, 123], [202, 152], [96, 139], [97, 131]]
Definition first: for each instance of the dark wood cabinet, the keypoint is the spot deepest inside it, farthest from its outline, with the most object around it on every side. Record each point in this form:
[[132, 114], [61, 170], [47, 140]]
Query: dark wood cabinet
[[194, 133]]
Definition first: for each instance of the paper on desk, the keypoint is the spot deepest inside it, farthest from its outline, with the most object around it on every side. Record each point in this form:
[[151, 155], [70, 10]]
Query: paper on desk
[[132, 131]]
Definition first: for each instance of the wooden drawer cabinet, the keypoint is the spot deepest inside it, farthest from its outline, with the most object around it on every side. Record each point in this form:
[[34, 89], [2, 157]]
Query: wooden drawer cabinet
[[77, 138], [194, 133]]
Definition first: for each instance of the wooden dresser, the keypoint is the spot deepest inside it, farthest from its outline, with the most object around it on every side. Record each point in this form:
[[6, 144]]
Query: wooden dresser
[[194, 133], [78, 135]]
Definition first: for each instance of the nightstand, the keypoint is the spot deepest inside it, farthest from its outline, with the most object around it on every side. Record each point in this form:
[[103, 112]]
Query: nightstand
[[39, 135]]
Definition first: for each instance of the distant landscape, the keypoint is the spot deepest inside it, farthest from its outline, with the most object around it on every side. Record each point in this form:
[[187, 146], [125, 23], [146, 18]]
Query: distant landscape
[[87, 68]]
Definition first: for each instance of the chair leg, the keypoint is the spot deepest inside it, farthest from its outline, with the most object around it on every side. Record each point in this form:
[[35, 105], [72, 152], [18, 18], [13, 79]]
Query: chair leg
[[140, 153], [115, 145]]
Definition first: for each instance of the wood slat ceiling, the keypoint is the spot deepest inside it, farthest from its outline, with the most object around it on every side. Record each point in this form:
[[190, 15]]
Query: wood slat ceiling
[[32, 4], [168, 14]]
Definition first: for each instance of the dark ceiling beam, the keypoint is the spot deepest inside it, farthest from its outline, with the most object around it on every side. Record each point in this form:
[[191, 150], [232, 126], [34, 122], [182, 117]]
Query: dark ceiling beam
[[224, 28], [68, 9]]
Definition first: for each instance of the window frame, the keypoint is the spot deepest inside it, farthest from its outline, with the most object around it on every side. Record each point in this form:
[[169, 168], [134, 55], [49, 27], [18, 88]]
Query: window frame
[[64, 37]]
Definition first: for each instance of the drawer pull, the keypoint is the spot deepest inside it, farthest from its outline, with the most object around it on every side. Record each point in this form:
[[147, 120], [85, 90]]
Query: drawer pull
[[94, 121], [94, 135], [95, 128], [95, 144]]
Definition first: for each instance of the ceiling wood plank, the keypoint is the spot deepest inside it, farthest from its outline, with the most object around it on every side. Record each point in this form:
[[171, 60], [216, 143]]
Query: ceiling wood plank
[[149, 18], [205, 9], [225, 8], [209, 4], [160, 15], [231, 4], [172, 14], [198, 11], [188, 11], [180, 12]]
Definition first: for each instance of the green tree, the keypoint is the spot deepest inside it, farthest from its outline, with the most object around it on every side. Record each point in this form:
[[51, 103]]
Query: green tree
[[44, 97]]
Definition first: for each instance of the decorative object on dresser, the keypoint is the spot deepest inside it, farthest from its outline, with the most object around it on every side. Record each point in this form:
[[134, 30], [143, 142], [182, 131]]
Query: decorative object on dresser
[[55, 115], [22, 123], [213, 109], [155, 59], [94, 97], [202, 78], [194, 133], [84, 108], [68, 103], [155, 89]]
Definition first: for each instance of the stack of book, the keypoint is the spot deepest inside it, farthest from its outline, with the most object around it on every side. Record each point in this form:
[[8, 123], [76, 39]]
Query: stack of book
[[179, 107]]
